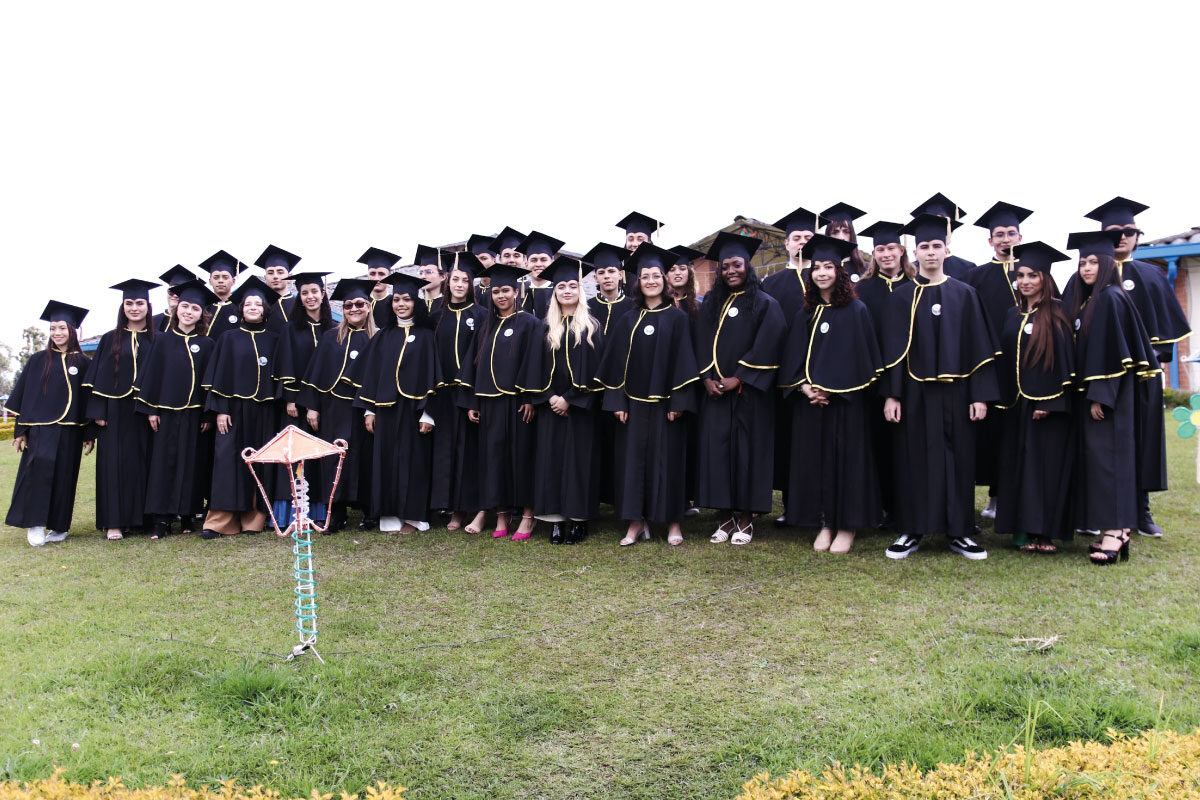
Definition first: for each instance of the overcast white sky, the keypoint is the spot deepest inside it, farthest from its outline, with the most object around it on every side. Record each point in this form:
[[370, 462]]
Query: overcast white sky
[[140, 134]]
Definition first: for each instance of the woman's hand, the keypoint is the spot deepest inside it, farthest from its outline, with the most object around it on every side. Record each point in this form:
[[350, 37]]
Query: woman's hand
[[424, 427], [710, 386], [100, 422], [559, 406], [1097, 412], [20, 442], [292, 411], [891, 409], [369, 421], [155, 420], [87, 447], [673, 415], [622, 416], [473, 415], [729, 385], [526, 410], [1039, 414], [314, 419], [978, 411], [205, 427], [224, 423]]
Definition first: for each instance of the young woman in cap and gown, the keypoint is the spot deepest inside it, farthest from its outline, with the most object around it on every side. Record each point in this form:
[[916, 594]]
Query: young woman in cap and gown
[[1113, 354], [938, 354], [173, 277], [566, 467], [242, 398], [539, 251], [224, 314], [739, 332], [52, 430], [331, 381], [123, 438], [299, 336], [457, 319], [497, 380], [682, 288], [649, 376], [1036, 448], [400, 376], [171, 397], [832, 360], [839, 224]]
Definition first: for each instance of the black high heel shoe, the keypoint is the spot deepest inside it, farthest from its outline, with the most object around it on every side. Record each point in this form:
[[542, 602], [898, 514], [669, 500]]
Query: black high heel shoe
[[556, 534], [1103, 558]]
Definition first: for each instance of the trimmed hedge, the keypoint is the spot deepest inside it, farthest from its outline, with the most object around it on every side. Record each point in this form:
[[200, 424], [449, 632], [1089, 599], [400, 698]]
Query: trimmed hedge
[[55, 788], [6, 429], [1155, 765]]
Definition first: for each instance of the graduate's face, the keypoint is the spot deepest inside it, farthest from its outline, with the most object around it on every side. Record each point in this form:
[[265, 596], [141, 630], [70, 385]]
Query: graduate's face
[[504, 297], [651, 281], [1129, 239], [221, 282], [510, 256], [632, 240], [135, 310], [567, 293], [1004, 239], [486, 258], [188, 313], [460, 284], [60, 334], [429, 273], [402, 305], [355, 311], [1089, 268], [887, 256], [1029, 282], [311, 296], [252, 308], [931, 254], [840, 230], [795, 242], [733, 272], [377, 274], [823, 275], [276, 277], [608, 279], [678, 276], [172, 301], [537, 262]]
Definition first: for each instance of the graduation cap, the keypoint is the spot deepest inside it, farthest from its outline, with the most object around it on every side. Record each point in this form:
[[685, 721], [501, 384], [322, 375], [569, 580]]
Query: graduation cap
[[353, 289], [940, 206], [685, 255], [304, 278], [732, 245], [605, 255], [537, 242], [277, 257], [176, 275], [64, 312], [464, 261], [800, 220], [135, 289], [842, 212], [637, 222], [1002, 215], [504, 275], [1117, 211], [883, 232], [565, 268], [253, 285], [1094, 243], [1038, 256], [375, 258], [648, 255], [402, 283], [509, 237], [928, 228], [194, 291], [478, 243], [221, 261], [827, 248], [426, 255]]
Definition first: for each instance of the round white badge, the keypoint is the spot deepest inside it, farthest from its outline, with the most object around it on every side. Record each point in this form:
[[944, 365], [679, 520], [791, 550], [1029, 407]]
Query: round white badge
[[824, 327], [733, 312], [1028, 328], [649, 330], [1014, 284], [937, 309], [1077, 323], [262, 361], [508, 332], [233, 319], [470, 322], [1128, 284], [412, 337], [353, 354], [195, 348], [854, 278], [73, 370]]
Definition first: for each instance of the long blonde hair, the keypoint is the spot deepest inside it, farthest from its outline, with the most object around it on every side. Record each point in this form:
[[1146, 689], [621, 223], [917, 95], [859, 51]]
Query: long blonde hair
[[582, 322], [343, 327]]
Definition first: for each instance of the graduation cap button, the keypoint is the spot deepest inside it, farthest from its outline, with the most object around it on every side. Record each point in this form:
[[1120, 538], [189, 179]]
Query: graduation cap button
[[1128, 284], [648, 330], [824, 327], [937, 309], [733, 312]]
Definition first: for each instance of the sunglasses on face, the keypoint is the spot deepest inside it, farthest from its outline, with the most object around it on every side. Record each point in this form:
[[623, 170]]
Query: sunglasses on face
[[1130, 232], [355, 304]]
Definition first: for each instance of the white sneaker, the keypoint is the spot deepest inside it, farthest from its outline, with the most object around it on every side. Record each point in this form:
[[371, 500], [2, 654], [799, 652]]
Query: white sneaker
[[990, 511], [55, 536], [36, 536], [390, 524]]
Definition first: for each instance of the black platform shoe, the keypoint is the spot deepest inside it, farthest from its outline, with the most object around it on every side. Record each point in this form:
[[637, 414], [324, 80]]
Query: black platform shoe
[[556, 534], [578, 531]]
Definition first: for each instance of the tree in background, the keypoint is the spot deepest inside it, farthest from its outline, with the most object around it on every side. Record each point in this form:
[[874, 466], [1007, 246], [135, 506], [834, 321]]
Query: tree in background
[[33, 339], [7, 379]]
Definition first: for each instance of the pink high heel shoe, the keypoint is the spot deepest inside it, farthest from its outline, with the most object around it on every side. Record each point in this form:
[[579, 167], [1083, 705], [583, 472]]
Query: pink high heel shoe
[[521, 536]]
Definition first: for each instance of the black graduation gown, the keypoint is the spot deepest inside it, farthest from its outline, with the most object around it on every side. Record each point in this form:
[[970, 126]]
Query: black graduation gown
[[1113, 354], [239, 383], [607, 314], [224, 316], [455, 438], [161, 321], [875, 292], [1035, 477], [736, 454], [787, 286], [330, 383], [297, 343], [54, 421], [834, 480], [536, 299], [957, 268], [281, 313], [649, 369], [994, 283], [381, 311], [123, 443], [169, 387], [401, 373], [498, 375], [567, 465], [939, 358]]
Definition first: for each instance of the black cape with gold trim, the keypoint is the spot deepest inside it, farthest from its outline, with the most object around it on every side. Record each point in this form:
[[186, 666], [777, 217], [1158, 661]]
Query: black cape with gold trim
[[455, 439], [607, 313]]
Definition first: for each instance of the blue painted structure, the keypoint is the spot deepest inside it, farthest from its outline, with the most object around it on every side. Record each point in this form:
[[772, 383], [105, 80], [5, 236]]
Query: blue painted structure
[[1170, 253]]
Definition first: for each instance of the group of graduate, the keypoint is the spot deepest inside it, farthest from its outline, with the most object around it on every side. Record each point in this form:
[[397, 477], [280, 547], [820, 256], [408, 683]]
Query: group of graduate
[[488, 388]]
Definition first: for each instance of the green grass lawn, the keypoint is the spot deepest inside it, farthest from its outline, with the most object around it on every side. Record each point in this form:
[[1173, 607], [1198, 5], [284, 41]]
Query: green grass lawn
[[462, 667]]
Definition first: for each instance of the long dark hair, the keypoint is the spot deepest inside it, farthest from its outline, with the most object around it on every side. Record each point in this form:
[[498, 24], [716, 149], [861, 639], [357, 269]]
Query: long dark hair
[[634, 289], [907, 269], [687, 301], [842, 294], [202, 324], [71, 351], [445, 298], [720, 291], [492, 322], [1054, 323], [420, 315], [856, 258], [1105, 276], [123, 325], [324, 313]]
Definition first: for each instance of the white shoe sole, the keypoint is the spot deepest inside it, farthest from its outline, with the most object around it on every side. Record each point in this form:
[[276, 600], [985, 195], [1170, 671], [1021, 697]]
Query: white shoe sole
[[898, 556], [971, 556]]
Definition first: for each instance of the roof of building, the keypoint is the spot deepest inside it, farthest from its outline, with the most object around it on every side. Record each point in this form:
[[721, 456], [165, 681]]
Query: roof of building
[[1187, 237]]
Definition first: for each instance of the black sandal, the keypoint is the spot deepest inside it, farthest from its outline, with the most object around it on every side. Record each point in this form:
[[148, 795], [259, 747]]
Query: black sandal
[[1103, 558]]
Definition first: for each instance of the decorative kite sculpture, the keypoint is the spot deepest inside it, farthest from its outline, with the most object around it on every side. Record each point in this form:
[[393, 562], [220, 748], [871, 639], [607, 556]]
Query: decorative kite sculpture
[[292, 447], [1189, 420]]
